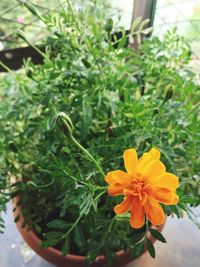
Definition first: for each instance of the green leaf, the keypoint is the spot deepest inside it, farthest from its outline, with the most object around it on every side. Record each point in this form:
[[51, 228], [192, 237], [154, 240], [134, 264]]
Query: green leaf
[[189, 199], [109, 25], [136, 24], [86, 63], [143, 24], [138, 249], [92, 254], [79, 238], [66, 247], [137, 237], [49, 243], [192, 215], [58, 224], [53, 235], [33, 10], [37, 228], [147, 31], [157, 235], [150, 248], [17, 218]]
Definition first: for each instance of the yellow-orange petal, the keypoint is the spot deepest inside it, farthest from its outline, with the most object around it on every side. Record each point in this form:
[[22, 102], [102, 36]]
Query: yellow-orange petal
[[153, 170], [168, 180], [163, 195], [154, 212], [175, 200], [115, 189], [119, 177], [128, 191], [124, 206], [130, 160], [142, 162], [137, 214], [155, 154]]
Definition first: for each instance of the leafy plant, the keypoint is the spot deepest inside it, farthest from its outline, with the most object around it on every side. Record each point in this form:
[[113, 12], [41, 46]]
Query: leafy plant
[[115, 98]]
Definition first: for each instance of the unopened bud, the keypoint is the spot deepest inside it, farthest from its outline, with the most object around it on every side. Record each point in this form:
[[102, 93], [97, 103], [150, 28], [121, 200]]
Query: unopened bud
[[33, 10], [29, 72], [86, 63], [155, 111], [109, 25], [169, 93], [64, 123]]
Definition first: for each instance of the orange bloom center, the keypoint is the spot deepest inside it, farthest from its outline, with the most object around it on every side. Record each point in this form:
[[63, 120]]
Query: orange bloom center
[[137, 188]]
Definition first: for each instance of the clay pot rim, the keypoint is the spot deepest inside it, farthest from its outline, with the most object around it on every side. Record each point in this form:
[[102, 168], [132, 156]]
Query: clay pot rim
[[31, 235]]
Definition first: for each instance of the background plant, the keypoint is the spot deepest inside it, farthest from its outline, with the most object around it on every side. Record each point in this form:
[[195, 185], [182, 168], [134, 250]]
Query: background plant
[[116, 99]]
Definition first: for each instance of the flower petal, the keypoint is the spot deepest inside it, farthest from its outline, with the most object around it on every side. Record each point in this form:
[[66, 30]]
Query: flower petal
[[155, 154], [154, 212], [119, 177], [115, 189], [146, 158], [163, 195], [130, 160], [137, 214], [153, 170], [168, 180], [175, 200], [128, 191], [124, 206]]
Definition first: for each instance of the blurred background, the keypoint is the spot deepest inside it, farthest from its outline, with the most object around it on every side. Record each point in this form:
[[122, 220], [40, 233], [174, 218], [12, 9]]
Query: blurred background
[[167, 14]]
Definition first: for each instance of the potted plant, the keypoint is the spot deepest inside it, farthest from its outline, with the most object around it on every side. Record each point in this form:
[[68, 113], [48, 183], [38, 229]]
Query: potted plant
[[95, 139]]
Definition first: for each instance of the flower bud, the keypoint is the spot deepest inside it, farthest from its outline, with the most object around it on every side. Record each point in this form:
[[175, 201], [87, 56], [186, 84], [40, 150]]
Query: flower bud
[[29, 72], [64, 123], [169, 93], [33, 10], [155, 111], [109, 25]]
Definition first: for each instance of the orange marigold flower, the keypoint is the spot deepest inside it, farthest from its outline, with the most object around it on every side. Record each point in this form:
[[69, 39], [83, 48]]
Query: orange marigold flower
[[145, 184]]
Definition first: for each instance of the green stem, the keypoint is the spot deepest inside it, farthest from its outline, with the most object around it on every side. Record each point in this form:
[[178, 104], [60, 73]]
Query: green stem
[[75, 179], [100, 194], [22, 36], [105, 236], [40, 186], [73, 14], [111, 224], [87, 154], [73, 226], [6, 68], [193, 108], [104, 188], [147, 227]]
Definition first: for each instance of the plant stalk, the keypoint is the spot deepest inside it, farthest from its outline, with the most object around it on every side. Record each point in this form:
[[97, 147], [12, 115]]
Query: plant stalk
[[87, 154]]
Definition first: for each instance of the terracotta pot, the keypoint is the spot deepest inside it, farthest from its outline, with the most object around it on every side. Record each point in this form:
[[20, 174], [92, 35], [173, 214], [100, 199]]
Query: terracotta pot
[[54, 256]]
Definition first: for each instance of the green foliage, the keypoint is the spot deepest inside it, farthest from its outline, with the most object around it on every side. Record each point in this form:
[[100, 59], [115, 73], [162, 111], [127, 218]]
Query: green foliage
[[79, 238], [57, 224], [138, 249], [157, 235], [150, 248], [115, 98], [66, 247], [4, 197], [50, 242]]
